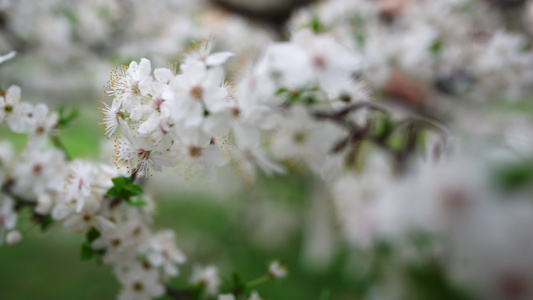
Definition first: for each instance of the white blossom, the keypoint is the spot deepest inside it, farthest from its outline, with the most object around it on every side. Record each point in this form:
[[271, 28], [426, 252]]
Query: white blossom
[[207, 277], [138, 282], [14, 111], [141, 156], [162, 252], [43, 124], [121, 240], [276, 270], [128, 85], [8, 216], [13, 237]]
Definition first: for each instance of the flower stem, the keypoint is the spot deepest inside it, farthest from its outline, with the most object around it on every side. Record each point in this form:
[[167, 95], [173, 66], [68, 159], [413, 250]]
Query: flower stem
[[258, 281], [58, 144], [29, 228]]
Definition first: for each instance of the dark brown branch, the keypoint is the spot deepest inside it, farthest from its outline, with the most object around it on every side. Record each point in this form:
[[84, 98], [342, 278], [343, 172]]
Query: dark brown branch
[[420, 123], [349, 109], [357, 134], [114, 202]]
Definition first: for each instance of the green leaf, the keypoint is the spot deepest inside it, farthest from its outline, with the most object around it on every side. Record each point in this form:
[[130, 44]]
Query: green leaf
[[124, 188], [281, 91], [238, 287], [309, 100], [293, 96], [92, 234], [114, 192], [196, 290], [138, 203], [121, 181], [384, 127], [135, 189], [66, 118], [316, 25], [436, 46], [236, 279], [86, 251], [514, 176], [46, 222]]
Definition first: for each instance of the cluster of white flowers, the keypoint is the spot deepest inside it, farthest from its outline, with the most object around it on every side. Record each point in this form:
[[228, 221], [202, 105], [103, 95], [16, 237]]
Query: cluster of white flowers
[[304, 104], [187, 116], [290, 83], [170, 117], [160, 120], [87, 34], [456, 47], [481, 229], [74, 193]]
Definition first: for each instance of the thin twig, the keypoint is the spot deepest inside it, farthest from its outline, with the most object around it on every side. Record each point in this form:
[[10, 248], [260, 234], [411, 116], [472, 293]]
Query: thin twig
[[58, 144]]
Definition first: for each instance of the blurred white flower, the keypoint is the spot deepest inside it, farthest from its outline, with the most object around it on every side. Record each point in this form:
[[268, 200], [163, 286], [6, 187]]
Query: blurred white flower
[[139, 282], [13, 237], [14, 111], [207, 277], [276, 270], [8, 215]]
